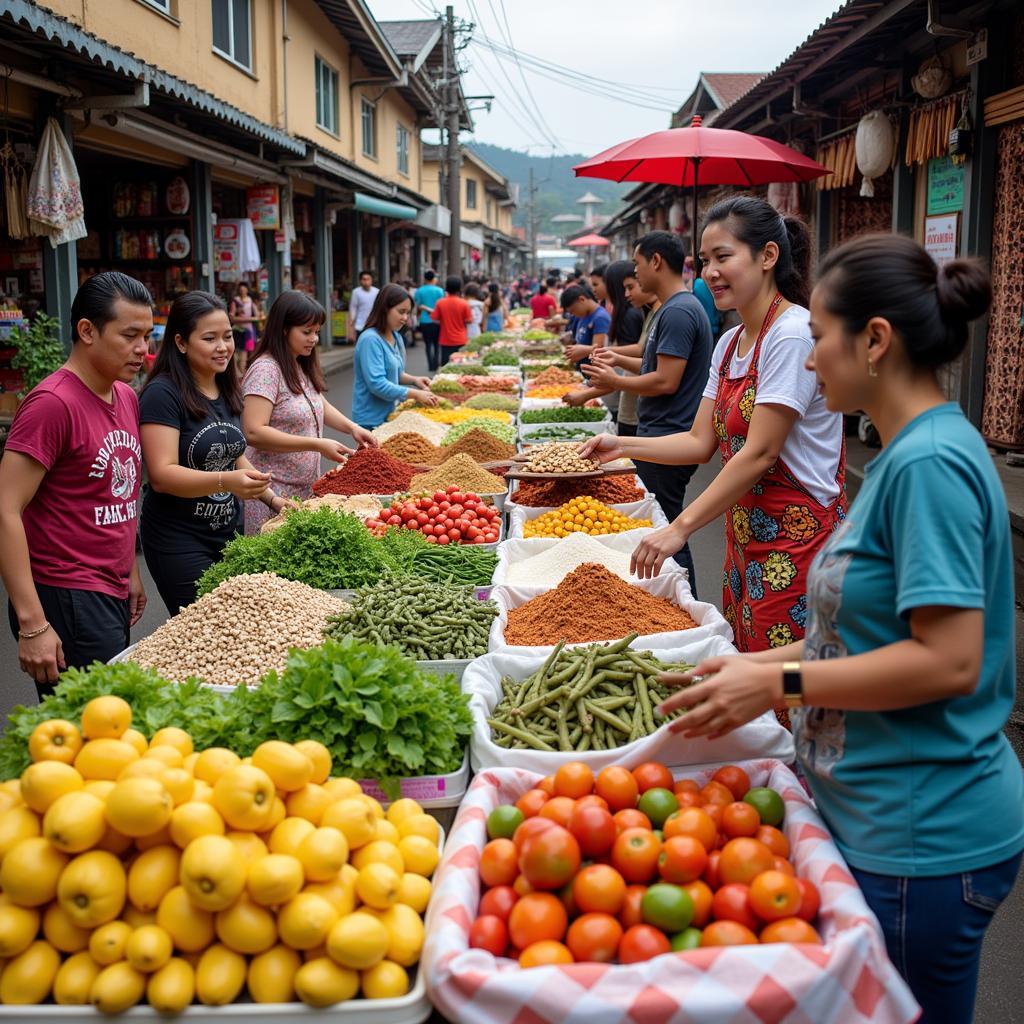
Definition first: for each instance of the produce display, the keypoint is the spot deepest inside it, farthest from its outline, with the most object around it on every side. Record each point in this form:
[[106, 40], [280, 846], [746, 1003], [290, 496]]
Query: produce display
[[455, 563], [581, 515], [492, 400], [626, 866], [564, 414], [461, 472], [420, 423], [412, 448], [366, 471], [244, 627], [550, 390], [463, 368], [480, 444], [480, 420], [425, 621], [362, 505], [453, 417], [584, 698], [543, 376], [118, 850], [445, 517], [612, 490], [490, 383], [557, 458], [550, 567], [592, 603], [500, 357], [446, 386], [534, 334], [411, 405]]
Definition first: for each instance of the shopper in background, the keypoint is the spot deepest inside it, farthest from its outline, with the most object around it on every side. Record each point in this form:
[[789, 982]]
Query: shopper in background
[[194, 450], [495, 309], [381, 381], [703, 295], [426, 299], [454, 315], [906, 676], [284, 412], [360, 304], [244, 313], [69, 487], [589, 322], [476, 309], [542, 305], [597, 285]]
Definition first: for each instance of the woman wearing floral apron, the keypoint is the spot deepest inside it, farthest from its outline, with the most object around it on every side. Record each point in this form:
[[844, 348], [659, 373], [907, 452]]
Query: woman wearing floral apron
[[781, 484]]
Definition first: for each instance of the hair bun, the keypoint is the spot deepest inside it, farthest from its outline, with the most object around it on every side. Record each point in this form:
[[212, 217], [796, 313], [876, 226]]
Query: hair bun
[[964, 291]]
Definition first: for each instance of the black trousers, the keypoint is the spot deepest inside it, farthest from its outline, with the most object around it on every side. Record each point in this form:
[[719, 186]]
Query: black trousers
[[625, 429], [177, 573], [92, 626], [668, 485], [447, 351], [431, 333]]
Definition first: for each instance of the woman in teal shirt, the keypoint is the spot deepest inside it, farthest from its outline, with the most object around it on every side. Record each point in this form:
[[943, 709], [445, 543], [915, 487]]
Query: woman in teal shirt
[[906, 677]]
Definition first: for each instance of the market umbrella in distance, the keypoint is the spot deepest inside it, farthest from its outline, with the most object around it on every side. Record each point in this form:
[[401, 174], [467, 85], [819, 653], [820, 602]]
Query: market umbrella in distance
[[586, 241], [687, 157]]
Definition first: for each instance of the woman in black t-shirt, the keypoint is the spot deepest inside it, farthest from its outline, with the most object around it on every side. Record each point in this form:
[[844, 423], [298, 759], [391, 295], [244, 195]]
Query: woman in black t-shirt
[[193, 447]]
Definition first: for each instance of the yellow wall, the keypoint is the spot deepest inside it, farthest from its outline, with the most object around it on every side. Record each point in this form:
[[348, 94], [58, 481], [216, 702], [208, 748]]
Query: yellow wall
[[501, 216]]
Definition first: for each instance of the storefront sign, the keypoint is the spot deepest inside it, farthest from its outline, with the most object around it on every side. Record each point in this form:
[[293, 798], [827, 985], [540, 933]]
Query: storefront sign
[[977, 48], [27, 259], [263, 205], [225, 244], [945, 186], [940, 238]]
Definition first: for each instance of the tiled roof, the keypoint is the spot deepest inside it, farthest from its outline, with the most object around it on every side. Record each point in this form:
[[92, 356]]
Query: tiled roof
[[407, 38], [728, 87]]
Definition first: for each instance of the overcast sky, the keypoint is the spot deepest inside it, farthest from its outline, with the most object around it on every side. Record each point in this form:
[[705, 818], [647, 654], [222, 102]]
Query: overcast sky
[[648, 50]]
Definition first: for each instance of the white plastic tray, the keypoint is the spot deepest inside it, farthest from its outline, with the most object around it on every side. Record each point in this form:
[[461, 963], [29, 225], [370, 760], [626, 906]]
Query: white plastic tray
[[429, 791], [600, 426]]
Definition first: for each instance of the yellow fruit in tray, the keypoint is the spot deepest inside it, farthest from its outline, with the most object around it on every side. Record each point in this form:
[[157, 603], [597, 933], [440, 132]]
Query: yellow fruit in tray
[[194, 819], [106, 944], [420, 825], [387, 980], [271, 975], [213, 762], [203, 792], [289, 834], [148, 948], [212, 872], [144, 768], [319, 755], [152, 875], [18, 927], [136, 739], [220, 975], [387, 831], [169, 757], [323, 852], [180, 784], [354, 819], [115, 842], [249, 845], [322, 982], [30, 871], [402, 809], [42, 783], [172, 736], [246, 927], [105, 758], [414, 891], [61, 932], [343, 788], [28, 978], [274, 879], [358, 941], [405, 934], [117, 988], [16, 824], [373, 803], [161, 837], [172, 988], [310, 802], [244, 796], [339, 892], [106, 718], [137, 918], [190, 928], [289, 768], [100, 787], [139, 807], [419, 855], [92, 888], [305, 921], [55, 740], [75, 822], [379, 852], [73, 981], [377, 886]]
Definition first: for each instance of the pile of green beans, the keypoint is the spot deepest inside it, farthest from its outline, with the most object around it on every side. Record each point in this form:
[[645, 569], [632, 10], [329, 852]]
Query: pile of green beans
[[425, 621], [586, 698], [458, 564]]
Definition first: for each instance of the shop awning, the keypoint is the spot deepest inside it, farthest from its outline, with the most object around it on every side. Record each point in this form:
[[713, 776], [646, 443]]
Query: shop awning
[[384, 208]]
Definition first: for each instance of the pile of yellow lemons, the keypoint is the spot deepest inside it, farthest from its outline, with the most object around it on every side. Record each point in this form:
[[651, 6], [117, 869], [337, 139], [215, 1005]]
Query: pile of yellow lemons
[[134, 871], [581, 515]]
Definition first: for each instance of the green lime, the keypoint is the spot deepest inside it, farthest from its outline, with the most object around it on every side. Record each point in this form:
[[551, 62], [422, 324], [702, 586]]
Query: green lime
[[503, 821], [668, 907], [658, 804], [768, 804], [687, 939]]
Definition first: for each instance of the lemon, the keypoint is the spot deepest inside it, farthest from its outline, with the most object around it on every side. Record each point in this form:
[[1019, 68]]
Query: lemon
[[106, 944], [322, 982], [139, 807], [152, 875], [419, 855], [170, 757], [114, 842], [354, 819], [289, 768], [377, 886], [193, 819], [92, 888], [212, 872], [30, 870], [213, 762], [202, 791], [144, 768], [406, 934], [287, 837], [28, 978], [246, 927], [137, 918], [358, 941], [148, 948], [172, 736], [414, 891], [323, 852], [244, 796], [387, 831], [9, 800], [271, 975], [249, 845], [44, 781], [341, 894], [305, 921], [274, 879], [73, 981], [75, 822], [420, 825], [105, 758], [386, 980], [172, 988], [161, 837], [106, 717], [180, 784], [55, 740], [117, 988], [402, 809], [373, 804], [343, 788], [16, 824], [136, 739], [190, 928], [310, 802], [320, 757], [61, 932], [18, 927], [99, 787], [220, 975], [379, 852]]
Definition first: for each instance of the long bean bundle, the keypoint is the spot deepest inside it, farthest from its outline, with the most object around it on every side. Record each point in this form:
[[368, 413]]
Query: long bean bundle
[[459, 564]]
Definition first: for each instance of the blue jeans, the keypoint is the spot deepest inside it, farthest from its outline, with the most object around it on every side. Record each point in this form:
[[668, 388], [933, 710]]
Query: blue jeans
[[933, 931]]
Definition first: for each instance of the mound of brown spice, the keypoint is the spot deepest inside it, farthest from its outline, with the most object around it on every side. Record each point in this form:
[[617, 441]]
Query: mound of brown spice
[[413, 448], [480, 446], [612, 490], [459, 471]]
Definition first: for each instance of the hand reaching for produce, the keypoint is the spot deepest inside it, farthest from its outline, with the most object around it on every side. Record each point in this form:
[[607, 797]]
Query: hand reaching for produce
[[247, 484], [575, 353], [602, 448], [599, 375], [575, 398], [422, 382], [652, 551], [334, 450], [363, 437], [606, 356], [423, 396]]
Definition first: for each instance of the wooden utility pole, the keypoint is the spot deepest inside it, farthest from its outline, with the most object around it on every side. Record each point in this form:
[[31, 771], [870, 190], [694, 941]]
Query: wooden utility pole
[[452, 155]]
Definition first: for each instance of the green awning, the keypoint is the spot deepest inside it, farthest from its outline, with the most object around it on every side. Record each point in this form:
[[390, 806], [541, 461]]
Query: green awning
[[384, 208]]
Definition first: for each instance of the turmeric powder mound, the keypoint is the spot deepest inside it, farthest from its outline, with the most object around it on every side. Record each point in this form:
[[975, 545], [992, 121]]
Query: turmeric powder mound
[[591, 604]]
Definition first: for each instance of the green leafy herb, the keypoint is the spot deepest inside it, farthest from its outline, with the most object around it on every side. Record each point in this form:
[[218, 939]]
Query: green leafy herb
[[563, 414]]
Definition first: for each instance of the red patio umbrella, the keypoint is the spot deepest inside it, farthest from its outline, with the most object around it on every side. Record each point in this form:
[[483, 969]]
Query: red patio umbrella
[[587, 240], [715, 156]]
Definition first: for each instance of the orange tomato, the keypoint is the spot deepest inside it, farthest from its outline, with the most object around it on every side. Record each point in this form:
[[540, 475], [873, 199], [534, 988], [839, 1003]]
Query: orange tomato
[[531, 802], [744, 859], [740, 819], [692, 821], [599, 887], [547, 785], [732, 903], [701, 894], [632, 906], [790, 929], [521, 887], [810, 902], [714, 812], [783, 865], [540, 954], [594, 937], [774, 895], [594, 829], [559, 810], [642, 942], [635, 854], [682, 859], [685, 786], [727, 933], [630, 818], [774, 839], [529, 828], [617, 785], [593, 800], [716, 793], [688, 799], [536, 917], [499, 862], [651, 775], [734, 778], [574, 779], [549, 859]]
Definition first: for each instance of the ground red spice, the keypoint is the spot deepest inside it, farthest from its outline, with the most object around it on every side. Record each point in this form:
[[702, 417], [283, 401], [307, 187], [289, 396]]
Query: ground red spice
[[367, 471], [612, 490]]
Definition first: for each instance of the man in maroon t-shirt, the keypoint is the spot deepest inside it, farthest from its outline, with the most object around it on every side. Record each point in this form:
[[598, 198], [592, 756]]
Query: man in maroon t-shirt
[[69, 489], [453, 314]]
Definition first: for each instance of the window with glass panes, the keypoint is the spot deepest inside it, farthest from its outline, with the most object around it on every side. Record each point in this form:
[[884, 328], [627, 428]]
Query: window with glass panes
[[403, 149], [369, 128], [326, 97], [471, 193], [232, 30]]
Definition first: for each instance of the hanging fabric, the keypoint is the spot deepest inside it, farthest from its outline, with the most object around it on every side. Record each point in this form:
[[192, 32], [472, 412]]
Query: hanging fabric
[[929, 128], [54, 205], [840, 157], [15, 192]]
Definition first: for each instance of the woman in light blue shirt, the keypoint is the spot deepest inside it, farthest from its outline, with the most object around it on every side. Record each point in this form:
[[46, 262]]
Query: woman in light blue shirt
[[381, 381], [906, 677]]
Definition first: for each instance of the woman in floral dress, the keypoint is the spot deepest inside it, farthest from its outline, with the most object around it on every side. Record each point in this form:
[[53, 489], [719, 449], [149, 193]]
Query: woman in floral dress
[[285, 411]]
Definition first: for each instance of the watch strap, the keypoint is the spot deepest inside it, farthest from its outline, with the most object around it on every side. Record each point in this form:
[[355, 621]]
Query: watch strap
[[792, 684]]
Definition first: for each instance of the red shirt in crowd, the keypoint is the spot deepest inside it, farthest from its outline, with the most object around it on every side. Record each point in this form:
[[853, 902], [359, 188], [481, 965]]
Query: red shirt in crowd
[[80, 525], [453, 313], [542, 306]]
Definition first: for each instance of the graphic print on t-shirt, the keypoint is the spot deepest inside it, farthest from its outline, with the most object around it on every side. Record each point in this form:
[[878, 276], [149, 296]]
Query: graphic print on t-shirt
[[121, 455], [214, 449]]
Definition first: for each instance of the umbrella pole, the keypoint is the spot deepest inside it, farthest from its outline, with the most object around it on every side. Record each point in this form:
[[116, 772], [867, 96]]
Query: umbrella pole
[[693, 225]]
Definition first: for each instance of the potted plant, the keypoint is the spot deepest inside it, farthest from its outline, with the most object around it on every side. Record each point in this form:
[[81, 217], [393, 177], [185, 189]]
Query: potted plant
[[39, 351]]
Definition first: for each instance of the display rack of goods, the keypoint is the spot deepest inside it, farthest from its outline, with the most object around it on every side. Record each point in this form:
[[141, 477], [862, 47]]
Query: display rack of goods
[[543, 434], [492, 400], [480, 443], [444, 517], [411, 405], [612, 490], [501, 357], [471, 369], [556, 457], [582, 515], [455, 417], [461, 472], [366, 471], [565, 414], [549, 390], [769, 925], [361, 505], [541, 375], [447, 386], [480, 420], [415, 423], [504, 385]]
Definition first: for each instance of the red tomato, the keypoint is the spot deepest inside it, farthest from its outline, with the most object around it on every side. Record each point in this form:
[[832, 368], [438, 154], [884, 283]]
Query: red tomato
[[592, 800], [454, 535], [652, 775], [498, 862], [438, 497], [394, 520], [594, 937], [630, 818], [635, 854], [536, 917], [550, 858], [642, 942], [531, 802], [617, 786], [594, 829], [470, 496], [711, 873], [490, 933], [632, 906], [528, 828], [442, 539], [682, 859], [732, 903], [422, 518], [740, 819], [810, 902], [599, 887], [716, 793], [498, 902], [559, 809]]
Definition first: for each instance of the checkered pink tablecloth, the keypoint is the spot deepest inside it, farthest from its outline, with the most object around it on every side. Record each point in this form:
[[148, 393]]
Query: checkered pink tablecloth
[[849, 980]]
